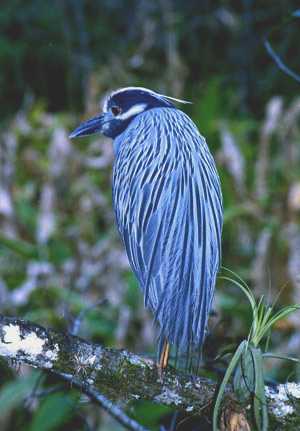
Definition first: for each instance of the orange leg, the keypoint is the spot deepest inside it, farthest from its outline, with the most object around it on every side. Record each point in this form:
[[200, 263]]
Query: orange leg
[[164, 357]]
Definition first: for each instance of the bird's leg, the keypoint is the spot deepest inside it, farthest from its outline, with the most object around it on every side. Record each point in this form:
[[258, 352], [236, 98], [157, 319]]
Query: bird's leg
[[164, 358]]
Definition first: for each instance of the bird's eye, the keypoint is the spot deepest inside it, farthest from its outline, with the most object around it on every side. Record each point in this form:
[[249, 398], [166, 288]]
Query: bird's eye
[[116, 110]]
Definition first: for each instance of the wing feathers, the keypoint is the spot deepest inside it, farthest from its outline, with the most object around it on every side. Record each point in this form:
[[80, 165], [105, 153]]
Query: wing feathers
[[169, 212]]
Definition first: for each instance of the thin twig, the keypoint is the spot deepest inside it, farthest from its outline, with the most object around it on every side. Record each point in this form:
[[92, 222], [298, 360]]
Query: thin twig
[[75, 327], [107, 405], [280, 62]]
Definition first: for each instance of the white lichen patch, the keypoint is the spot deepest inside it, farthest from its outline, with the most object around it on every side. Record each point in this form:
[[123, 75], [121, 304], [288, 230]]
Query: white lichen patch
[[98, 366], [282, 405], [134, 359], [197, 384], [85, 359], [293, 389], [51, 355], [88, 357], [92, 360], [96, 358], [168, 397], [30, 344], [12, 343], [135, 396]]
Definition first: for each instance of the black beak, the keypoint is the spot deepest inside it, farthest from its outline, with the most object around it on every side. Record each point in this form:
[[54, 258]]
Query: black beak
[[89, 127]]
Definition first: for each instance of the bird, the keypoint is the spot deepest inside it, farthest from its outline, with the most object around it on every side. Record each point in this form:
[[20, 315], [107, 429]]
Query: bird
[[168, 208]]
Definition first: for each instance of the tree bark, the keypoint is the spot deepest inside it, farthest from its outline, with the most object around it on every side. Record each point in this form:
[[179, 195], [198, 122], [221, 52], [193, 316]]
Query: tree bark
[[122, 376]]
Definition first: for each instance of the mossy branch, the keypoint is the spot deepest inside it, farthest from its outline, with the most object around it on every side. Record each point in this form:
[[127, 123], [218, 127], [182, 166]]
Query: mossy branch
[[122, 376]]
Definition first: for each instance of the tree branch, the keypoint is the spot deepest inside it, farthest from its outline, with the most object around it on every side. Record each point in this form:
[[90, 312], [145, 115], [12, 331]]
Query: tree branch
[[120, 376]]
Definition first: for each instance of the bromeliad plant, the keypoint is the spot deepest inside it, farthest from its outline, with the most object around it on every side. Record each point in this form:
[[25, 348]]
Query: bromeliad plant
[[246, 366]]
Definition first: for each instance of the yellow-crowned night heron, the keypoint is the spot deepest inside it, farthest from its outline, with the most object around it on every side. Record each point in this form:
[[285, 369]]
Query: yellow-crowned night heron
[[168, 205]]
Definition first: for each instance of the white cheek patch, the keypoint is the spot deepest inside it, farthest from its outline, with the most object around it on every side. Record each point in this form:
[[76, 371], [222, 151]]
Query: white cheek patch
[[134, 110]]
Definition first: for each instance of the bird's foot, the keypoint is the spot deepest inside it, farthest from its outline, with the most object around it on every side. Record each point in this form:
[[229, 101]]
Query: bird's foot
[[163, 360]]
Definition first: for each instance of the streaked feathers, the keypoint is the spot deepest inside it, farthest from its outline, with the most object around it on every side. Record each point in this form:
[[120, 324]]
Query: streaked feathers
[[143, 90], [168, 207]]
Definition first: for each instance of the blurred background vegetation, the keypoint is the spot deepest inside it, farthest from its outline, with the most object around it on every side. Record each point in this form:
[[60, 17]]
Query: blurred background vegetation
[[61, 260]]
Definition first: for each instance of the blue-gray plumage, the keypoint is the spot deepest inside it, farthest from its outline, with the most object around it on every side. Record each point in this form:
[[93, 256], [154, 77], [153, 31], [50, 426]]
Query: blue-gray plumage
[[168, 205]]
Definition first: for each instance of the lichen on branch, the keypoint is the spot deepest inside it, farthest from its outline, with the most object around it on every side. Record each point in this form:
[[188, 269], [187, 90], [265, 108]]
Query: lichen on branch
[[122, 376]]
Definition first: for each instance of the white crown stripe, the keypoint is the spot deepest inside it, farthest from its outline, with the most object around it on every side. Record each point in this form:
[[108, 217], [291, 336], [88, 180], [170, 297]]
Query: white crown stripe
[[146, 90]]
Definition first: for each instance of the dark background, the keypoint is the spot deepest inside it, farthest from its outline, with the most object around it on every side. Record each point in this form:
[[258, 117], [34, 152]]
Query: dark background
[[59, 249]]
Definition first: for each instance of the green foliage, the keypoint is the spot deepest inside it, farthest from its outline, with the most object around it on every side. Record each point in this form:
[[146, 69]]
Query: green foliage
[[13, 394], [50, 48], [53, 412], [263, 316], [20, 247], [149, 415], [229, 371], [246, 364], [209, 108]]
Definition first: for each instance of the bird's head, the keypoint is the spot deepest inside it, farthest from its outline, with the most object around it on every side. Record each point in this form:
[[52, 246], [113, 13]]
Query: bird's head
[[120, 108]]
